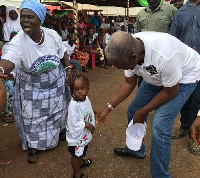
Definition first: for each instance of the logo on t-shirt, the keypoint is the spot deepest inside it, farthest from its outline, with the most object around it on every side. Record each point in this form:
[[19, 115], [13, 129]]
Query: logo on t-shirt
[[44, 64], [151, 69], [88, 118]]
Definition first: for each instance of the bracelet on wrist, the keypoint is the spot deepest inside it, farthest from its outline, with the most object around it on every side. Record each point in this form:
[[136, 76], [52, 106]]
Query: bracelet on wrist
[[68, 67], [110, 106], [2, 69]]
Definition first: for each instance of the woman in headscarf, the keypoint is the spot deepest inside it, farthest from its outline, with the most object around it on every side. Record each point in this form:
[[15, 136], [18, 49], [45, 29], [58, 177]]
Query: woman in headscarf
[[12, 22], [39, 98]]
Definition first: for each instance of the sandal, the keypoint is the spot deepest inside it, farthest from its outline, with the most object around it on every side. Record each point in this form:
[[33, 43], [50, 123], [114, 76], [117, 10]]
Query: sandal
[[7, 119], [81, 176], [6, 163], [32, 158], [86, 163]]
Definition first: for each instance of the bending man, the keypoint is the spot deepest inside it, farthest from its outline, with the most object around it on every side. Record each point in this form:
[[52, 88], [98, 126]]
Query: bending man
[[170, 70]]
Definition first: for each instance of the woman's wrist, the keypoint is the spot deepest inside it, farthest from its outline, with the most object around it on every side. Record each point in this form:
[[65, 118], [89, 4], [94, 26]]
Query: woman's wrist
[[68, 68]]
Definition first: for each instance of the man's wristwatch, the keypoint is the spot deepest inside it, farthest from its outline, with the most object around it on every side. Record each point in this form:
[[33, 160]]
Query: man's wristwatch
[[110, 106]]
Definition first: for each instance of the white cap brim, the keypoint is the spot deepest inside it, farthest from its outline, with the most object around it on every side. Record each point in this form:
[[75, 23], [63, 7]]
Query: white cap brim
[[134, 135]]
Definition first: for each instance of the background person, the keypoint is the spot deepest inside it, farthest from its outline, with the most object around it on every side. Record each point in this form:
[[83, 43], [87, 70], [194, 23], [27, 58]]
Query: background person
[[177, 3], [70, 47], [12, 22], [156, 16], [185, 27]]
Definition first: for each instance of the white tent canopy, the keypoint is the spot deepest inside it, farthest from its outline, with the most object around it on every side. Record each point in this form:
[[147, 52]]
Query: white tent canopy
[[107, 10], [11, 3]]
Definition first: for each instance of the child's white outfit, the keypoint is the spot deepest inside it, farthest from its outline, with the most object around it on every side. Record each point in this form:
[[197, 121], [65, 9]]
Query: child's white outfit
[[78, 114], [105, 39]]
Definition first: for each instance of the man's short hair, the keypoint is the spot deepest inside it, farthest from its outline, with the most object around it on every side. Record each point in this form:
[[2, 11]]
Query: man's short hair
[[120, 47]]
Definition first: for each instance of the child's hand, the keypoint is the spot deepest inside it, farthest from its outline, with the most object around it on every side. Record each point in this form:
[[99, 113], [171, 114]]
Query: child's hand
[[90, 127]]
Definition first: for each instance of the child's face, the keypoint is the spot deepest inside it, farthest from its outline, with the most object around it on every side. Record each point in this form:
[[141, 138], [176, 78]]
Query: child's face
[[12, 35], [80, 89], [91, 32], [97, 43], [72, 39]]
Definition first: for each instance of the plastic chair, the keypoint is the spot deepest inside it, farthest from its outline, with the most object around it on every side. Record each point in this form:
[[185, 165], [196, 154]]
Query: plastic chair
[[92, 55]]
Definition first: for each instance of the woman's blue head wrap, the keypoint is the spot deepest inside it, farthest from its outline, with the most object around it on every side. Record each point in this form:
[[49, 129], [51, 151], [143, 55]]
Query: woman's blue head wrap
[[36, 7]]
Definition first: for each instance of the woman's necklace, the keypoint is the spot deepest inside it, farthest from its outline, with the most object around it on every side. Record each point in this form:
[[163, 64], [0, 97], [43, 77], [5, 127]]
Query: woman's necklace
[[41, 37]]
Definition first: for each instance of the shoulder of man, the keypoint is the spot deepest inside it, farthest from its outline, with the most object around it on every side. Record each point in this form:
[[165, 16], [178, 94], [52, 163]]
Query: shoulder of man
[[182, 10], [142, 11], [167, 6]]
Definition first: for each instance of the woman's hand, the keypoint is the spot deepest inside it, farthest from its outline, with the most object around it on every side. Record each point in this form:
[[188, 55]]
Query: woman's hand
[[90, 127]]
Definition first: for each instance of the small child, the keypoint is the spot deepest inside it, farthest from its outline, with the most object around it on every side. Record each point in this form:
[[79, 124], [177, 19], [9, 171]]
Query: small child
[[80, 124], [99, 54]]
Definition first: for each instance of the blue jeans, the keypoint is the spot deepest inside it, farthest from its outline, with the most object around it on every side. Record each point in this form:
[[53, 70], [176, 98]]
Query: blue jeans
[[162, 124], [76, 65]]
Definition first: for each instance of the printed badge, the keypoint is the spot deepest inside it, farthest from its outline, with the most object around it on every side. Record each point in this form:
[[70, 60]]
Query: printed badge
[[151, 69]]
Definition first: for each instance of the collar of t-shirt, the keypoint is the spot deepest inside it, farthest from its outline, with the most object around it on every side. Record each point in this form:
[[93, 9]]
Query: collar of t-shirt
[[148, 52]]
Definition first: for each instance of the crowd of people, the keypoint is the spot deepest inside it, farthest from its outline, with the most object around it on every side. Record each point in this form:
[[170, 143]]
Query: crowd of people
[[44, 91], [91, 30]]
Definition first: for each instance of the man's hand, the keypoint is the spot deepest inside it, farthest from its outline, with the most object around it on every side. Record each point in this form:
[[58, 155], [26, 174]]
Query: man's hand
[[195, 131], [139, 116], [90, 127], [101, 117]]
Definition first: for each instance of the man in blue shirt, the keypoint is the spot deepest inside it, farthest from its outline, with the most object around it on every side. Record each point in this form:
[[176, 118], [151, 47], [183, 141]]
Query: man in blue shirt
[[186, 27], [95, 20]]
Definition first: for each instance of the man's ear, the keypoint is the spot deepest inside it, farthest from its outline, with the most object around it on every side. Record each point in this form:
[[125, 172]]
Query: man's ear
[[133, 58]]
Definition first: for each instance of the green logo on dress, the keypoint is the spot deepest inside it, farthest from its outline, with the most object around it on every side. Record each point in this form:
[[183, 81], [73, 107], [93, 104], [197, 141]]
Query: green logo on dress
[[46, 66]]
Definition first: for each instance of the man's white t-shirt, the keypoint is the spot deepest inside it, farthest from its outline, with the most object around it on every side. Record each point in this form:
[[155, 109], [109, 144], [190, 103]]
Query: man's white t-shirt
[[167, 61], [32, 57], [78, 114], [69, 49]]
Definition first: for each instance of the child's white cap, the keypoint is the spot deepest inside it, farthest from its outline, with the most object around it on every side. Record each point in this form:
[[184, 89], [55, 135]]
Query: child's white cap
[[135, 134]]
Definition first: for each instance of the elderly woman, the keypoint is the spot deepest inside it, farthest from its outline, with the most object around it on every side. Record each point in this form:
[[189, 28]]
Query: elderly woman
[[39, 99], [12, 22]]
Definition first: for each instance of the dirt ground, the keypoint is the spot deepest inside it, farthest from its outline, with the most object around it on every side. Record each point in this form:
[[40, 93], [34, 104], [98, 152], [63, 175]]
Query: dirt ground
[[56, 162]]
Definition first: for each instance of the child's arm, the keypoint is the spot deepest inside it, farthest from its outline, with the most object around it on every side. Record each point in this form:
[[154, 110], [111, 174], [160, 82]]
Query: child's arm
[[90, 127], [75, 126]]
